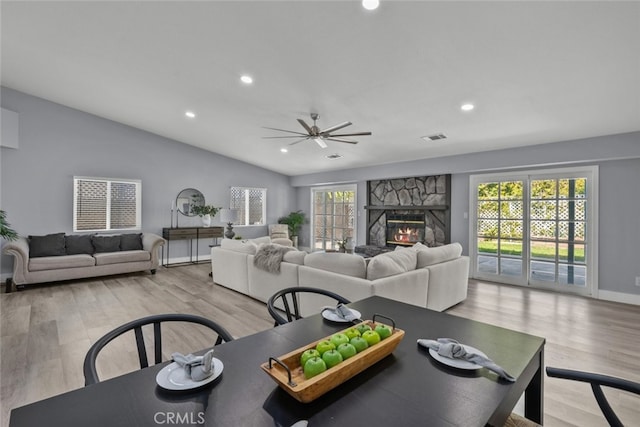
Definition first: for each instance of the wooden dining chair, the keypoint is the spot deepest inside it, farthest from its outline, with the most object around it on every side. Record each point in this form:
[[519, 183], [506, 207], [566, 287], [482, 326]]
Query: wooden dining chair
[[597, 381], [288, 301], [90, 372]]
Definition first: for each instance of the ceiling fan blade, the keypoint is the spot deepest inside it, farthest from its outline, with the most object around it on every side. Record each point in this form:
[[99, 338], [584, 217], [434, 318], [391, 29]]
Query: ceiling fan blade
[[342, 140], [350, 134], [284, 130], [305, 126], [320, 142], [336, 127], [284, 136]]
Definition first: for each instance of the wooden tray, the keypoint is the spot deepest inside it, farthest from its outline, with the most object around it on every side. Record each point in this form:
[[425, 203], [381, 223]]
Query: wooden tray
[[287, 372]]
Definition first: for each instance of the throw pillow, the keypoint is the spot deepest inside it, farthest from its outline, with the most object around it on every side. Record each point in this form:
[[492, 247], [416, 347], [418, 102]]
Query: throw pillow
[[430, 256], [106, 243], [49, 245], [78, 244], [131, 242], [392, 263]]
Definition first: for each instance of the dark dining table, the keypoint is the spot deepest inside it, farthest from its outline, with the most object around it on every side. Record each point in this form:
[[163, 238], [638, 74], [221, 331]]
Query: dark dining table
[[406, 388]]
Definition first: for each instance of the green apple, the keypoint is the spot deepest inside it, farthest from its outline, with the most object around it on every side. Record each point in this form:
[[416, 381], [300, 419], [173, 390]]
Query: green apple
[[362, 328], [347, 350], [359, 343], [383, 331], [313, 367], [350, 333], [338, 339], [332, 358], [371, 337], [325, 345], [308, 354]]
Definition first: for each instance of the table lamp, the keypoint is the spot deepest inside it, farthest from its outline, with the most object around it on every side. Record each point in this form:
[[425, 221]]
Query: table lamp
[[229, 216]]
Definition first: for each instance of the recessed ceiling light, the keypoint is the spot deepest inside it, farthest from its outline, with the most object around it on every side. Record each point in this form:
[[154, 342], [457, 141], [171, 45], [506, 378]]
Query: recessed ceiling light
[[334, 156], [370, 4], [467, 107], [284, 150], [190, 114], [246, 79]]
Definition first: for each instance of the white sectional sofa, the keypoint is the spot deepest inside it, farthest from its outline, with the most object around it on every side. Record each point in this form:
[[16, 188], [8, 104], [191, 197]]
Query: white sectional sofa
[[435, 278]]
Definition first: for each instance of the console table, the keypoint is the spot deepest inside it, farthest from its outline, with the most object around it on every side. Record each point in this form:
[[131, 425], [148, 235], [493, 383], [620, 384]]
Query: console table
[[191, 234]]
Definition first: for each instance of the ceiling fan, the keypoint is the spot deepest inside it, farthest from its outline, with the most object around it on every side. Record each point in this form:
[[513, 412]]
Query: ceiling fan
[[319, 136]]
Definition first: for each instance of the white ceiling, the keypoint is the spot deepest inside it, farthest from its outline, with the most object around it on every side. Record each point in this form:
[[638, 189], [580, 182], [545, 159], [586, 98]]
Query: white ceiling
[[537, 72]]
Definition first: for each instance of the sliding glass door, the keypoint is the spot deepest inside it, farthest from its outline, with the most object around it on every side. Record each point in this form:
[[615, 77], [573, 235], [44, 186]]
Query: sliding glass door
[[333, 217], [537, 229]]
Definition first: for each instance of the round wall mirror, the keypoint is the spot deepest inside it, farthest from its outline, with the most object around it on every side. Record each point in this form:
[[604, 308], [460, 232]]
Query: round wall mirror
[[187, 198]]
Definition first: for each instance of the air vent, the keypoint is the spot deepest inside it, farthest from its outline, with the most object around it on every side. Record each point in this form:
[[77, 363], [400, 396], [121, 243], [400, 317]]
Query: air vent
[[334, 156], [434, 137]]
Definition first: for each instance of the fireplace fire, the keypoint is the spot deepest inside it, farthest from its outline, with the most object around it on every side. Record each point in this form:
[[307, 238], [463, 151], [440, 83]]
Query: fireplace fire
[[405, 229]]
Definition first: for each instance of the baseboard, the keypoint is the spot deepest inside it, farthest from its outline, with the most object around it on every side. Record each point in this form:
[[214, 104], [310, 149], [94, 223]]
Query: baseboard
[[619, 297]]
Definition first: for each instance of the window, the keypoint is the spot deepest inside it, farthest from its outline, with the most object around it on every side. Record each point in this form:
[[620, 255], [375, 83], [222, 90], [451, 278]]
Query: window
[[102, 204], [536, 228], [251, 204], [333, 213]]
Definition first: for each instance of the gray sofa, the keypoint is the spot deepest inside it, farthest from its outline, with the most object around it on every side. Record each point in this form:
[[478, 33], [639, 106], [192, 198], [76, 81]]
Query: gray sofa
[[102, 256], [435, 278]]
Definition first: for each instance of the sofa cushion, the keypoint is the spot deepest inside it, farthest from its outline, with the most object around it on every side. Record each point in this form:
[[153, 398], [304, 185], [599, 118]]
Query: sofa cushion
[[260, 240], [49, 245], [429, 256], [78, 244], [242, 246], [347, 264], [131, 242], [392, 263], [295, 257], [120, 257], [106, 243], [61, 262]]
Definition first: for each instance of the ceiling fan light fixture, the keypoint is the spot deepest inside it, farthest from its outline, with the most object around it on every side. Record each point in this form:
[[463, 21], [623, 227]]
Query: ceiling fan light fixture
[[320, 142]]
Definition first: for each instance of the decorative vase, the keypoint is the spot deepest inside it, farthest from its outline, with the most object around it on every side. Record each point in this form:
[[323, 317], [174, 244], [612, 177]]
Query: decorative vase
[[206, 220], [349, 245]]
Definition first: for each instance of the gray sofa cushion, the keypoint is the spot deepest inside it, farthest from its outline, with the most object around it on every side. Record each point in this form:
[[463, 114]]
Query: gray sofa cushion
[[131, 242], [61, 262], [347, 264], [392, 263], [106, 243], [78, 244], [121, 257], [49, 245], [429, 256]]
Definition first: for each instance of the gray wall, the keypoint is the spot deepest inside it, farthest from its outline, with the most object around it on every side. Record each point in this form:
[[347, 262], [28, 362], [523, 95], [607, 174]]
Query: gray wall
[[57, 143], [618, 157]]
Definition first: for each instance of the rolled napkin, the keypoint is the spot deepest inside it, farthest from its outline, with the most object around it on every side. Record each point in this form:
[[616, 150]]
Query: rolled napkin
[[342, 311], [198, 368], [452, 349]]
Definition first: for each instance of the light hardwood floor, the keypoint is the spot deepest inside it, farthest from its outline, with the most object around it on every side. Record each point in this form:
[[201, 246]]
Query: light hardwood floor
[[46, 331]]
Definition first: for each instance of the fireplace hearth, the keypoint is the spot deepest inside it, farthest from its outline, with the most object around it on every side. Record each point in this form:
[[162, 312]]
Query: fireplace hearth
[[404, 229]]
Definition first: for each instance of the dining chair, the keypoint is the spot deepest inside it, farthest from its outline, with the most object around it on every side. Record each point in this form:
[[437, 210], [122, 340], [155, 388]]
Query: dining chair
[[290, 302], [90, 372], [597, 381]]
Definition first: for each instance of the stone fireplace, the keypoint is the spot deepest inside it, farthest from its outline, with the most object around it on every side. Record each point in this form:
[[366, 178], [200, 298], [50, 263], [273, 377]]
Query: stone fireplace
[[404, 211]]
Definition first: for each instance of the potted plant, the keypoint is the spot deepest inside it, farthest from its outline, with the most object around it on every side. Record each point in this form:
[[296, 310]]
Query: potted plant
[[206, 212], [6, 232], [294, 220]]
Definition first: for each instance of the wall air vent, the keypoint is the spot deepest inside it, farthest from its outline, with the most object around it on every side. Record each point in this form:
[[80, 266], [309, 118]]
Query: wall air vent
[[434, 137], [334, 156]]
